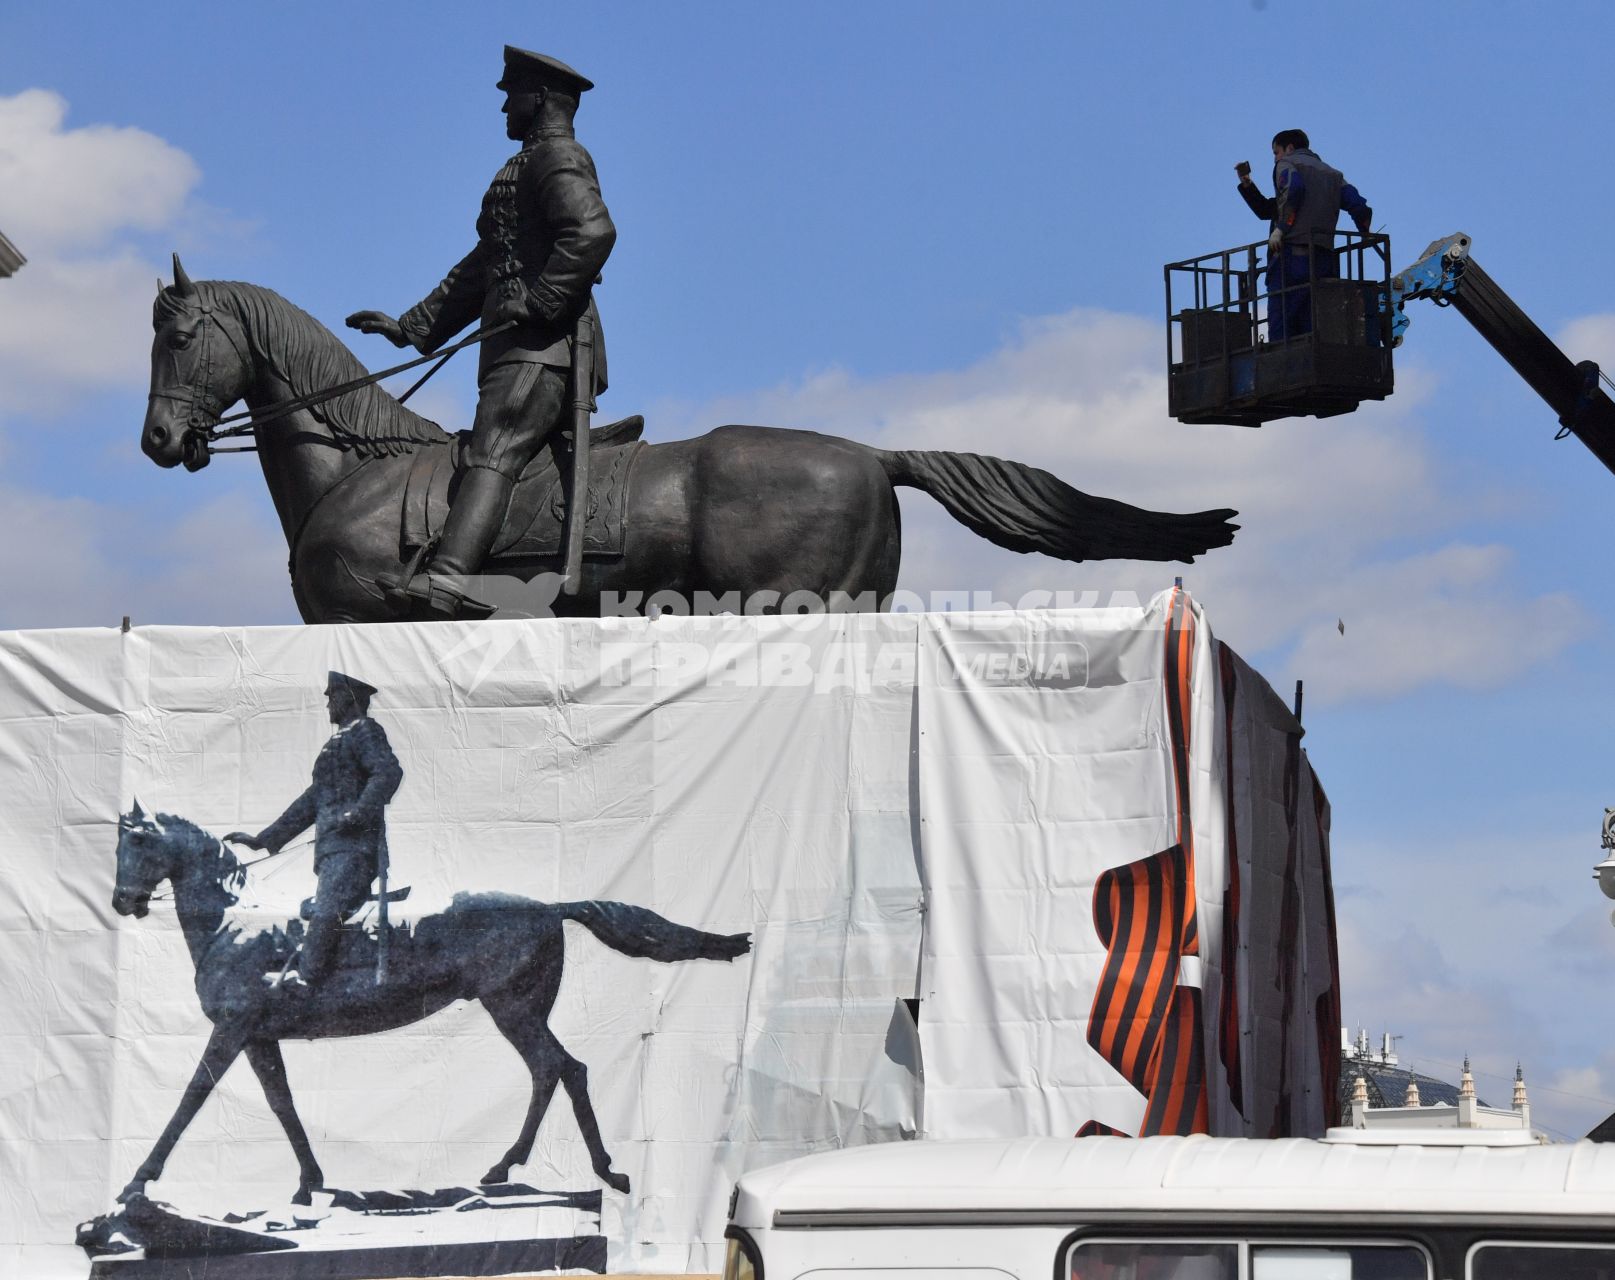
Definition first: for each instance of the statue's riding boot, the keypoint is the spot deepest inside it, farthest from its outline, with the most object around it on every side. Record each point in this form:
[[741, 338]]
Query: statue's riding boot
[[309, 964], [319, 948], [475, 518], [311, 959]]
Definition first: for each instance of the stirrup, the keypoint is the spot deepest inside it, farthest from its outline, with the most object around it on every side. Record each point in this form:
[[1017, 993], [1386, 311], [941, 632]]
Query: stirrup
[[287, 978], [440, 599], [394, 583]]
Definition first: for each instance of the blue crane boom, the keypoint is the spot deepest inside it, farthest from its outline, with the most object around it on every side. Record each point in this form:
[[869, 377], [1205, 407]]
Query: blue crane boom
[[1447, 275]]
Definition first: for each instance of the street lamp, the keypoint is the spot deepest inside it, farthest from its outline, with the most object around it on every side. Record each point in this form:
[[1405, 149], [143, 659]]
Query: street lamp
[[1604, 872]]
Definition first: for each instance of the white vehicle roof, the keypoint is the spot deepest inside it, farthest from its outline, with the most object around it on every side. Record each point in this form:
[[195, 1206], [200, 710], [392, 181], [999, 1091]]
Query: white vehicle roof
[[1041, 1179]]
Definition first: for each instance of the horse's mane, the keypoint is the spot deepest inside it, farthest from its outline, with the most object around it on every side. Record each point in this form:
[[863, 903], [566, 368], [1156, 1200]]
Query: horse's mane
[[310, 358], [227, 869]]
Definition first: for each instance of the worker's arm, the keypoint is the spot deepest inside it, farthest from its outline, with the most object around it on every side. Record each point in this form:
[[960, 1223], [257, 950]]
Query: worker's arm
[[1362, 213], [1260, 205]]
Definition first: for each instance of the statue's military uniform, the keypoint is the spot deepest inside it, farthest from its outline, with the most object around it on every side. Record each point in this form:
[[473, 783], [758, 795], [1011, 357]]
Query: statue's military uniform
[[355, 773], [542, 237]]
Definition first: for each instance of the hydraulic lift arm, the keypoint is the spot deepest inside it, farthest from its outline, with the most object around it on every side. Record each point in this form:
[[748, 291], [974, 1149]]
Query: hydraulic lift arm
[[1448, 276]]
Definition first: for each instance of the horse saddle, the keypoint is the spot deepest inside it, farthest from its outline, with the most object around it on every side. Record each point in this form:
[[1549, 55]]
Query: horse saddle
[[306, 910], [356, 939], [536, 524]]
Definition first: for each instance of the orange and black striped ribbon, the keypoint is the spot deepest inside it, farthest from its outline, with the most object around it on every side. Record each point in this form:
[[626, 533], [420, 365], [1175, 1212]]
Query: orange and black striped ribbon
[[1178, 1101], [1142, 1022]]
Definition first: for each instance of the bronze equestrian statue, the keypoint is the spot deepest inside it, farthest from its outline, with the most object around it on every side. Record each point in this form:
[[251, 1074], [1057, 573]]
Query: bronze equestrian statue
[[542, 237], [742, 509], [387, 516]]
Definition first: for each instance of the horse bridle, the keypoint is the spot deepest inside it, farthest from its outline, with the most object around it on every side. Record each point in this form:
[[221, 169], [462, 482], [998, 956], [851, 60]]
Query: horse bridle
[[202, 420]]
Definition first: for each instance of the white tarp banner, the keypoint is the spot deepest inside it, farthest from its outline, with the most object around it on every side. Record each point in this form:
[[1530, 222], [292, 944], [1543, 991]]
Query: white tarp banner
[[1130, 918], [1033, 786], [664, 788]]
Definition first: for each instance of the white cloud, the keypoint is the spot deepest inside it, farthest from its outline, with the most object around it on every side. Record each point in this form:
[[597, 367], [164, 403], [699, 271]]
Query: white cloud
[[1580, 1081], [1342, 519], [65, 190], [223, 564], [1418, 982], [72, 327], [1590, 338], [76, 319], [1438, 617], [84, 563], [1441, 1022], [1471, 940]]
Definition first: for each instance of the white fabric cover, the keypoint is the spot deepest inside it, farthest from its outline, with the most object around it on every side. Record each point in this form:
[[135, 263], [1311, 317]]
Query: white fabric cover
[[794, 777]]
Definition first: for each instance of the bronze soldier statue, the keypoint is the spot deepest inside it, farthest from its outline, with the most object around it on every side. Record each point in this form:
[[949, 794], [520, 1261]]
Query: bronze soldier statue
[[355, 775], [542, 237]]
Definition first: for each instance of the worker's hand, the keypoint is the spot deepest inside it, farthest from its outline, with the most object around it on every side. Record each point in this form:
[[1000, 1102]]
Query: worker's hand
[[1275, 240], [1243, 169], [242, 837], [378, 322]]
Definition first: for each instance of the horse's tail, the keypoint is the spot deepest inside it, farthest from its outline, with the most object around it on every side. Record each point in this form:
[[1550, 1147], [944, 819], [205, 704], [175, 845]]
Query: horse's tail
[[1025, 508], [640, 932]]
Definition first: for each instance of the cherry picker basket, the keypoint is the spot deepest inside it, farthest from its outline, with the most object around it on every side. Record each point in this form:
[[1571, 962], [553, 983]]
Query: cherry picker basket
[[1248, 342]]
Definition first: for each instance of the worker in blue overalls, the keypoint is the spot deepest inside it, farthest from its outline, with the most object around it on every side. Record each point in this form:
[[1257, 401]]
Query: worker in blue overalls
[[1307, 200]]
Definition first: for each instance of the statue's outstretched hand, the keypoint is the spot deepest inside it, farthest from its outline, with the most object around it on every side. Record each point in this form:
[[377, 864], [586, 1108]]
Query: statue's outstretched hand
[[378, 322], [246, 838]]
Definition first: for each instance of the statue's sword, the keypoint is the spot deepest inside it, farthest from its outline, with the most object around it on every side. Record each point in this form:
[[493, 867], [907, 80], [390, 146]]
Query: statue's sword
[[384, 934], [577, 504]]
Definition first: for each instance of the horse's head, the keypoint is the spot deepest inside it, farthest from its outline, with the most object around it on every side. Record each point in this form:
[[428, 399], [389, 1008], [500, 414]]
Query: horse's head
[[199, 367], [146, 857]]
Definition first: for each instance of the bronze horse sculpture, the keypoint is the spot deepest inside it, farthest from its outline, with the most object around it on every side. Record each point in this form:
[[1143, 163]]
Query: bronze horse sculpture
[[503, 950], [743, 509]]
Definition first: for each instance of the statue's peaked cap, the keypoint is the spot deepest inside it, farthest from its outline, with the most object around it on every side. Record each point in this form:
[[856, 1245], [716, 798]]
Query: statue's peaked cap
[[526, 71], [358, 688]]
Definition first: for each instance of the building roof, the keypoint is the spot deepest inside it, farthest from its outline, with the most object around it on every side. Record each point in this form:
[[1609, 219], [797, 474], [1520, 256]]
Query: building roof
[[10, 259], [1439, 1172], [1388, 1086]]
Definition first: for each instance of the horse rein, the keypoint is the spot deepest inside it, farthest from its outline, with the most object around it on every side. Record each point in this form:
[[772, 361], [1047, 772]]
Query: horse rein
[[201, 440], [240, 869]]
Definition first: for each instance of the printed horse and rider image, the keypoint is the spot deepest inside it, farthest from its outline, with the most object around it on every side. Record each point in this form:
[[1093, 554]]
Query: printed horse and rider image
[[332, 975]]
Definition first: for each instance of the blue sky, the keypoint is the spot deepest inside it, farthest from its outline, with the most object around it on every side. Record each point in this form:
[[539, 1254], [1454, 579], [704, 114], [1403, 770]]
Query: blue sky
[[935, 224]]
